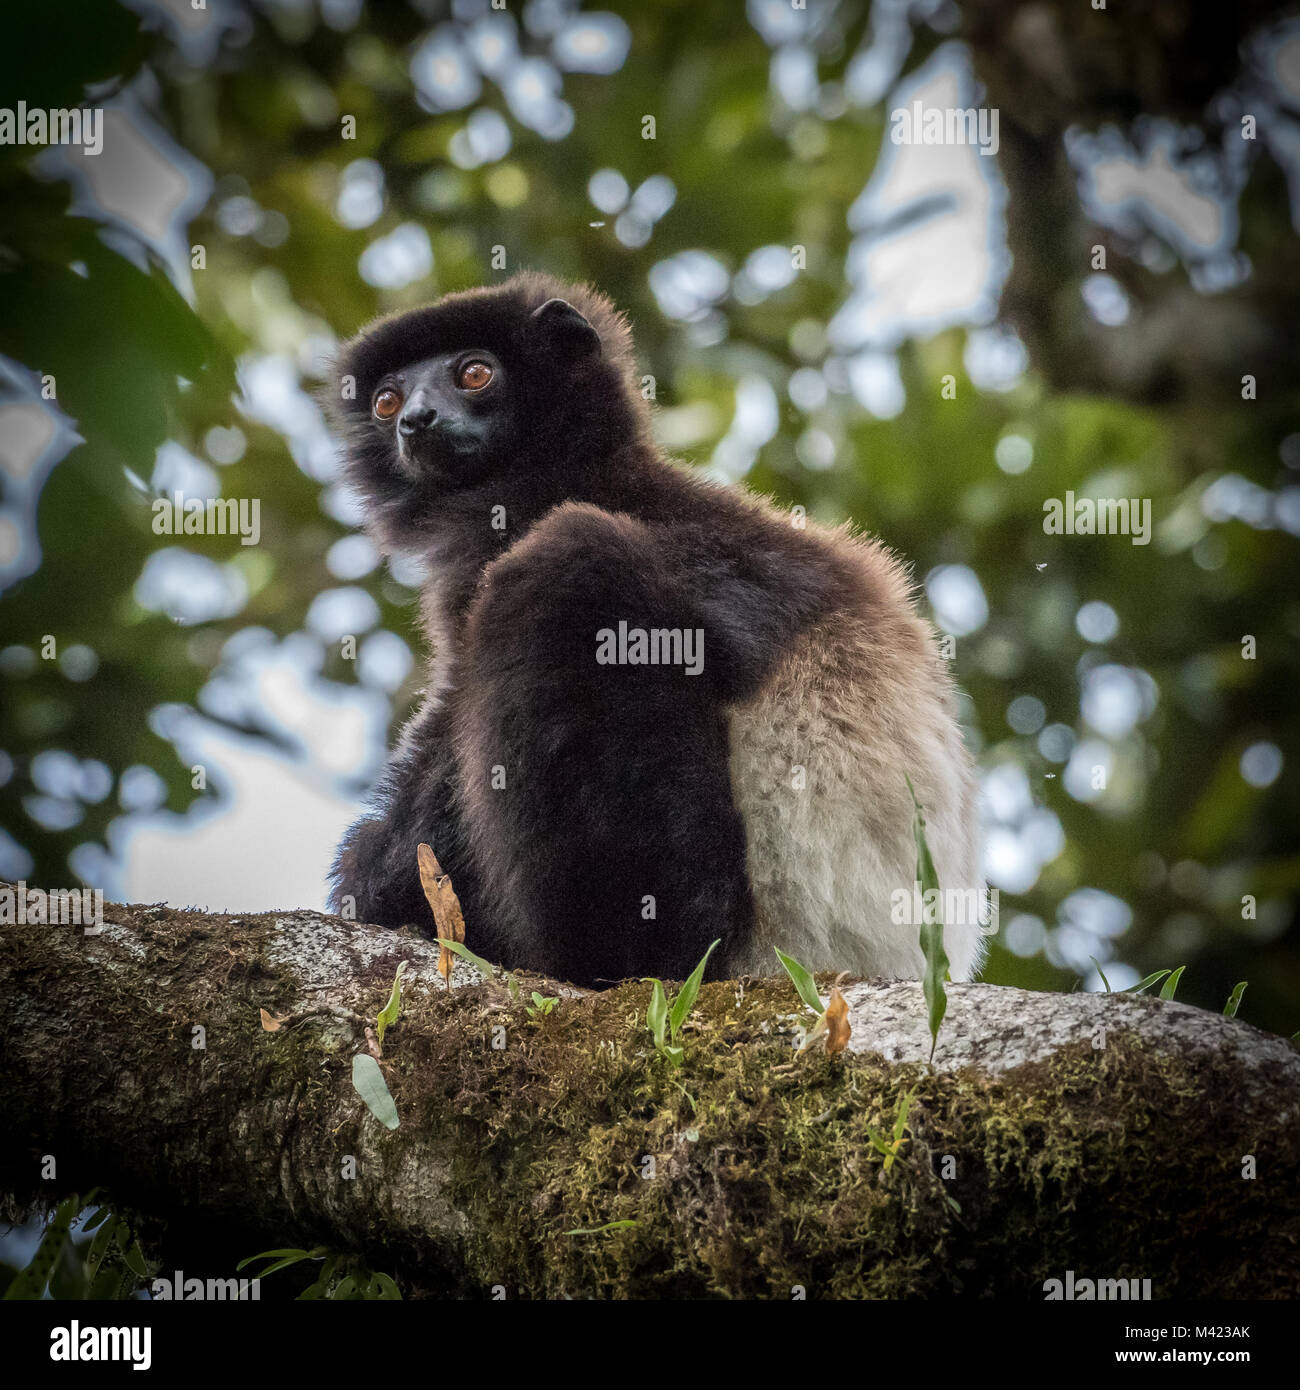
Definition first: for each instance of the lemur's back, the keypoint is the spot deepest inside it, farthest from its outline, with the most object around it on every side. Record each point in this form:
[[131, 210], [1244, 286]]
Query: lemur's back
[[819, 761]]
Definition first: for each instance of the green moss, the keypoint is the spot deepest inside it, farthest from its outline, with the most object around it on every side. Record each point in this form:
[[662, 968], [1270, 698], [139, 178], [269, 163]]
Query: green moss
[[748, 1171]]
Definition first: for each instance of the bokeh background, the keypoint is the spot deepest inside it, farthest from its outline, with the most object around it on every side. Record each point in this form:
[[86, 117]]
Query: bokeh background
[[1111, 299]]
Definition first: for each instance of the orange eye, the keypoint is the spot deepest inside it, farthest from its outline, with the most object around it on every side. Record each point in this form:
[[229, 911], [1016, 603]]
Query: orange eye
[[387, 404], [473, 376]]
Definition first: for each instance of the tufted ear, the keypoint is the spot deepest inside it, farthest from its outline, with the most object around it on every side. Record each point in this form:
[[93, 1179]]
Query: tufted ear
[[566, 328]]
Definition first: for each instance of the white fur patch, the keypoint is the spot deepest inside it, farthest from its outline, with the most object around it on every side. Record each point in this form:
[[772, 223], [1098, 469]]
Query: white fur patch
[[818, 764]]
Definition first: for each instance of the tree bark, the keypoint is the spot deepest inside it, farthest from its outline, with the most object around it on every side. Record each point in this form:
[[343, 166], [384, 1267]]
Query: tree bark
[[1116, 1136]]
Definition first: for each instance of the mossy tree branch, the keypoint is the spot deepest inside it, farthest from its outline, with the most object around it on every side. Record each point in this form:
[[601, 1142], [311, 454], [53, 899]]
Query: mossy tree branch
[[1108, 1135]]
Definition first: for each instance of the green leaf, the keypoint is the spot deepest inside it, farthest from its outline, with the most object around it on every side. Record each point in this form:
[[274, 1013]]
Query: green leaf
[[1234, 999], [1171, 984], [292, 1251], [134, 1259], [687, 995], [99, 1247], [879, 1141], [388, 1290], [373, 1089], [804, 983], [1101, 972], [656, 1016], [105, 1286], [600, 1230], [391, 1012], [69, 1280], [29, 1283], [936, 959], [321, 1287], [116, 1284], [900, 1124], [1143, 985], [458, 948]]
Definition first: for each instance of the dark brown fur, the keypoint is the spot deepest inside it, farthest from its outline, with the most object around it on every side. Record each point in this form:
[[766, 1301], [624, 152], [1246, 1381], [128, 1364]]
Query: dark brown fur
[[617, 787]]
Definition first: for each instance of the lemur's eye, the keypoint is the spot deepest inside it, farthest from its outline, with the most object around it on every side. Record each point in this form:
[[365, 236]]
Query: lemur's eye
[[386, 403], [473, 376]]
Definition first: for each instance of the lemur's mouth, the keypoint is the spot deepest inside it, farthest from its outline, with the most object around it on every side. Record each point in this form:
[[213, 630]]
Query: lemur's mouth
[[441, 448]]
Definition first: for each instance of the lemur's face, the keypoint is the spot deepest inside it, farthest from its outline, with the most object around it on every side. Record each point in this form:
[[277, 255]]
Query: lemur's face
[[450, 417], [480, 400]]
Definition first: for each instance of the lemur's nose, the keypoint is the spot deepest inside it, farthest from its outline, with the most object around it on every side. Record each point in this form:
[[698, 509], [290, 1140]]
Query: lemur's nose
[[417, 416]]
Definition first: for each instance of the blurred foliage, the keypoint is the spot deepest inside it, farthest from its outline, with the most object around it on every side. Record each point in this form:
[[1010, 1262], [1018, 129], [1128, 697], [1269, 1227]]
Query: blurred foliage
[[87, 1251], [1179, 836]]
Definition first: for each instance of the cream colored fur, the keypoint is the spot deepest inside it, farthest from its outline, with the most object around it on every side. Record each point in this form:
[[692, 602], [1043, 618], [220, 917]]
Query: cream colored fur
[[862, 701]]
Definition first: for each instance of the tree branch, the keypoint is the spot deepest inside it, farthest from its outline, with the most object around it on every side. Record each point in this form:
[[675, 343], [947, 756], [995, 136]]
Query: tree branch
[[1111, 1135]]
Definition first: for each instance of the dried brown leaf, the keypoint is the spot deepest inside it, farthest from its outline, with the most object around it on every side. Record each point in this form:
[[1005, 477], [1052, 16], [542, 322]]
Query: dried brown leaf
[[833, 1028], [444, 904], [839, 1029]]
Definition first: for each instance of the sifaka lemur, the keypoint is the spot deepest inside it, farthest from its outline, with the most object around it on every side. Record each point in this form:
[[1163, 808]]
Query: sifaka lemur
[[658, 710]]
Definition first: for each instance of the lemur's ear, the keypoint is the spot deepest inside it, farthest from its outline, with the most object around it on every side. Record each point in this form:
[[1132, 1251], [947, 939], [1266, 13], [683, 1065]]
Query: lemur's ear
[[566, 327]]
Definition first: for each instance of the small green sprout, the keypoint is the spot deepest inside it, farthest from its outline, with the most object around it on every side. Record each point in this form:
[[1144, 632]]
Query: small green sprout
[[665, 1023]]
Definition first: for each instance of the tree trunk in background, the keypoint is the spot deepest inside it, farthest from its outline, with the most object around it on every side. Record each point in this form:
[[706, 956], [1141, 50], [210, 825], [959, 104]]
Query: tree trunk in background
[[1048, 66], [1114, 1136]]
